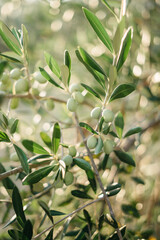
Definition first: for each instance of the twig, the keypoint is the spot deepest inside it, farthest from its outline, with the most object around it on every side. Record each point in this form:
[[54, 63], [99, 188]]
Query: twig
[[70, 214], [98, 176]]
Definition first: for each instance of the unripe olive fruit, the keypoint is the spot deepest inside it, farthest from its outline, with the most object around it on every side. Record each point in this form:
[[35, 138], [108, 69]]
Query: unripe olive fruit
[[58, 183], [14, 157], [68, 160], [92, 142], [72, 151], [15, 73], [108, 115], [4, 78], [96, 112], [14, 103], [78, 97], [38, 76], [75, 87], [21, 85], [108, 146], [68, 179], [49, 104], [71, 105]]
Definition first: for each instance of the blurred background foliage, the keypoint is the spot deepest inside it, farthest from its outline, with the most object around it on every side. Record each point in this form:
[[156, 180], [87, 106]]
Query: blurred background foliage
[[56, 25]]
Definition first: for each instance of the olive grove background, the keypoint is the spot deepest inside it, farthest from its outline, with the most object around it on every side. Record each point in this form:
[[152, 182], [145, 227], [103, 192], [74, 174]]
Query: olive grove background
[[54, 26]]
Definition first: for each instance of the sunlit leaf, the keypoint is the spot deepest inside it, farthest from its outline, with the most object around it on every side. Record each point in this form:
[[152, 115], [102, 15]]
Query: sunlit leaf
[[49, 78], [53, 65], [121, 91], [4, 137], [56, 137], [14, 126], [23, 158], [87, 127], [90, 90], [46, 139], [34, 147], [133, 131], [119, 124]]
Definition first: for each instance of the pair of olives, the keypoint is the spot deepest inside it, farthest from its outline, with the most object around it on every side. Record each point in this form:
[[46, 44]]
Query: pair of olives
[[107, 114], [77, 97], [68, 180], [108, 144]]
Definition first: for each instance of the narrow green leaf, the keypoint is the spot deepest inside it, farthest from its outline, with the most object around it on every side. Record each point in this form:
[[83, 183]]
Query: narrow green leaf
[[15, 234], [124, 157], [56, 137], [82, 164], [133, 131], [5, 119], [56, 213], [89, 89], [113, 186], [99, 146], [118, 35], [37, 175], [49, 78], [119, 124], [9, 38], [90, 61], [52, 64], [80, 194], [33, 159], [17, 204], [138, 180], [110, 9], [92, 180], [121, 91], [65, 74], [4, 137], [99, 77], [27, 231], [46, 139], [50, 235], [13, 57], [124, 48], [130, 210], [65, 227], [99, 29], [67, 62], [34, 147], [3, 65], [7, 182], [87, 217], [23, 158], [89, 128], [72, 233], [14, 126], [46, 209]]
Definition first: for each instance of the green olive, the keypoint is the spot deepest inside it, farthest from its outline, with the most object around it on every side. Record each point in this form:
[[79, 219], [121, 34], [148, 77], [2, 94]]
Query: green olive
[[68, 160], [92, 142], [108, 115], [38, 76], [68, 179], [72, 151], [75, 87], [15, 73], [14, 103], [5, 78], [35, 91], [21, 85], [71, 105], [96, 112], [108, 146], [78, 97], [58, 183], [49, 104]]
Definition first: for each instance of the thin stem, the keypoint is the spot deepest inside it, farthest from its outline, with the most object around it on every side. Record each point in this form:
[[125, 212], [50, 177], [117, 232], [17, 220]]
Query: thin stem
[[67, 216], [98, 176]]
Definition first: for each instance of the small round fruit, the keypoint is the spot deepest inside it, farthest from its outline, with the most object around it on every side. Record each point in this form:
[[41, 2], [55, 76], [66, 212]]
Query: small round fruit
[[14, 157], [68, 160], [71, 105], [72, 151], [49, 104], [78, 97], [108, 146], [68, 179], [75, 87], [92, 142], [38, 76], [58, 183], [15, 73], [14, 103], [96, 112], [4, 78], [108, 115], [21, 85]]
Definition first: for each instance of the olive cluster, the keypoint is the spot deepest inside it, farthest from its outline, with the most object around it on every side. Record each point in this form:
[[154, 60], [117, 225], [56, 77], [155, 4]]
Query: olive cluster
[[68, 177], [15, 82], [76, 97], [108, 117]]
